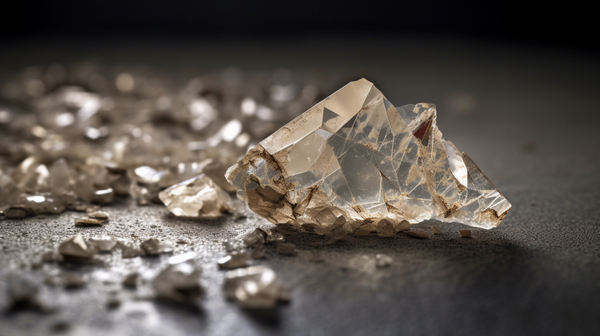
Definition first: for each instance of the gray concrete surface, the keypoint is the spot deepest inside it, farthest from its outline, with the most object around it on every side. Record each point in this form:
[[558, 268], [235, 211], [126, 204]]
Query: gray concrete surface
[[532, 130]]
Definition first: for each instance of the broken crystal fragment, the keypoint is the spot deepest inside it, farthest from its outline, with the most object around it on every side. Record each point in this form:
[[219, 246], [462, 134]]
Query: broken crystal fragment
[[355, 156], [254, 287], [179, 281], [130, 280], [75, 248], [197, 197], [89, 222], [154, 246], [234, 260], [465, 233], [417, 234], [102, 243]]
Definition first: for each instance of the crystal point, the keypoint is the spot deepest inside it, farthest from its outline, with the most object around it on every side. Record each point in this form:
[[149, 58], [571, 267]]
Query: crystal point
[[354, 160]]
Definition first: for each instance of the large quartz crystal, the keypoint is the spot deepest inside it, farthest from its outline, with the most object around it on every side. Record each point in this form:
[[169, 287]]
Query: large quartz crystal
[[355, 159]]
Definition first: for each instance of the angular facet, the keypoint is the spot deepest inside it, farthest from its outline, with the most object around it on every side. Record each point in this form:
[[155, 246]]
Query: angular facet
[[355, 159], [197, 197]]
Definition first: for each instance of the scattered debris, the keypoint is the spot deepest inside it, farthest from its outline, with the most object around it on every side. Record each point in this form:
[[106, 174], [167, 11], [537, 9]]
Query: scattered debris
[[154, 247], [465, 233], [102, 243], [89, 222], [97, 214], [255, 287], [436, 230], [254, 238], [128, 251], [179, 282], [234, 260], [75, 249]]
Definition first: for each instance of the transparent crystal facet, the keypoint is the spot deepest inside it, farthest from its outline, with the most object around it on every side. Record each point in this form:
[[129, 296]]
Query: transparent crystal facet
[[355, 159], [197, 197]]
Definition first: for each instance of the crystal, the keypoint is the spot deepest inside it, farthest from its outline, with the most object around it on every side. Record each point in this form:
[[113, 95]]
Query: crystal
[[382, 260], [234, 260], [254, 238], [197, 197], [89, 222], [97, 214], [179, 281], [154, 246], [255, 287], [436, 230], [356, 156], [75, 248], [102, 243], [130, 280]]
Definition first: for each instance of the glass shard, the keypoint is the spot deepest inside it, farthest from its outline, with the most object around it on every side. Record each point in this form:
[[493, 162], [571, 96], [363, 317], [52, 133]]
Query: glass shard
[[356, 163], [197, 197], [255, 287]]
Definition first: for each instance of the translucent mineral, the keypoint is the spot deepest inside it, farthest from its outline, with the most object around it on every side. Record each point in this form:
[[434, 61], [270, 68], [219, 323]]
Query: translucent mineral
[[197, 197], [255, 287], [356, 156], [234, 260], [154, 246], [102, 243], [97, 214], [89, 222], [382, 260], [179, 281], [254, 238], [76, 248]]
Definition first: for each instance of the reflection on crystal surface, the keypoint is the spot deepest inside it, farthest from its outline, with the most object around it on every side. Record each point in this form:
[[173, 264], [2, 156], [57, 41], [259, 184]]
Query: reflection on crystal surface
[[354, 160], [197, 197], [254, 287]]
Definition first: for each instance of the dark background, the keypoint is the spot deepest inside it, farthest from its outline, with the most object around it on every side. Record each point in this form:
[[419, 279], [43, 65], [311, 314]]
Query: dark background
[[560, 24]]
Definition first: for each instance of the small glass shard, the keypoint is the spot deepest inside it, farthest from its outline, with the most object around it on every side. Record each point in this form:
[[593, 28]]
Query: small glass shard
[[76, 248], [179, 282], [197, 197], [354, 160], [255, 287]]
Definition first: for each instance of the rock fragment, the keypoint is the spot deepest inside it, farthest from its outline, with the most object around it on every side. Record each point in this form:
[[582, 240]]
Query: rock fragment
[[255, 287], [75, 249], [197, 197], [102, 243], [89, 222], [179, 281], [234, 260], [130, 280], [154, 247], [436, 230]]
